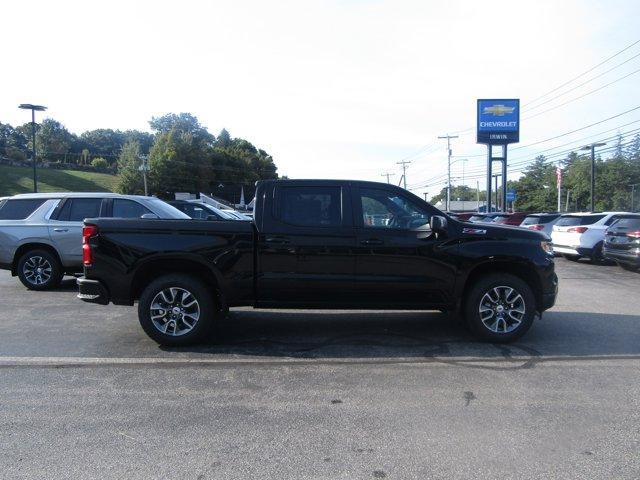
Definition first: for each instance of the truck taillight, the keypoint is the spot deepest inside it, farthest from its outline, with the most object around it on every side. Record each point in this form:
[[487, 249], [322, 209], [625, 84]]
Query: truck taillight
[[577, 229], [88, 231], [537, 227]]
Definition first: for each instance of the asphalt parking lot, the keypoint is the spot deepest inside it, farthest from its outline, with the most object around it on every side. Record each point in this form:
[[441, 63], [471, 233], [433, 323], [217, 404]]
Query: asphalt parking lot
[[298, 394]]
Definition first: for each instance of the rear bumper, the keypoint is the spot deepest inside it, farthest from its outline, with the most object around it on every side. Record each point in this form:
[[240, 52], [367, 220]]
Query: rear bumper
[[92, 291], [572, 250], [630, 257]]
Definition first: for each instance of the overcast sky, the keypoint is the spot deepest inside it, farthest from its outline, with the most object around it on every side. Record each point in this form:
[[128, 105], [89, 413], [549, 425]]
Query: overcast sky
[[332, 89]]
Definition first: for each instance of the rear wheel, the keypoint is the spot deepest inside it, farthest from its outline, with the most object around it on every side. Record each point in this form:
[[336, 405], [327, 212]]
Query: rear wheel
[[499, 308], [597, 257], [39, 270], [176, 310]]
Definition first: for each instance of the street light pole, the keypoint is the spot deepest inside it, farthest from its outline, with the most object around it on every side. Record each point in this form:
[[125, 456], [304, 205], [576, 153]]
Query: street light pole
[[33, 108], [592, 147]]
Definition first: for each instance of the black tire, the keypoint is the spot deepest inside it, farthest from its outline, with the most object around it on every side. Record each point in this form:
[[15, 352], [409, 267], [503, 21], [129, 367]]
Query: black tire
[[485, 285], [597, 257], [571, 258], [50, 274], [205, 304]]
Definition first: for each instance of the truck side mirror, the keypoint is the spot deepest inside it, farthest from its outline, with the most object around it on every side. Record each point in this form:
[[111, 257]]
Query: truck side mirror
[[438, 224]]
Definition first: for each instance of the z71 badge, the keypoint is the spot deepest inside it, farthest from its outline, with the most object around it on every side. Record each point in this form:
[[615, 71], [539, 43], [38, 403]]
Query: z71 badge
[[474, 231]]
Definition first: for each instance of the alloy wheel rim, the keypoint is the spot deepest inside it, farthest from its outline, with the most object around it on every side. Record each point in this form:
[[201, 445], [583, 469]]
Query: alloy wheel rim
[[502, 309], [174, 311], [37, 270]]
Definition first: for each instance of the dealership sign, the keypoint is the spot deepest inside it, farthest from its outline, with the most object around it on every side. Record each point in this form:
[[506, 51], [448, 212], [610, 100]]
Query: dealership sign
[[498, 121]]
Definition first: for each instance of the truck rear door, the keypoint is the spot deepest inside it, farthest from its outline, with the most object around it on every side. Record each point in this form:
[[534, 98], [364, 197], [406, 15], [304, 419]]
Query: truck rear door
[[306, 245]]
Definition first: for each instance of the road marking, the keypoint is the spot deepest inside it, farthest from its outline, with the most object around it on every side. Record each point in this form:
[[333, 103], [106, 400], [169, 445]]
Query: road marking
[[199, 361]]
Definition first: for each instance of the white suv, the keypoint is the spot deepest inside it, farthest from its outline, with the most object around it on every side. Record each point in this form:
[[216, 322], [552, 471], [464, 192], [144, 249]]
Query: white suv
[[578, 235]]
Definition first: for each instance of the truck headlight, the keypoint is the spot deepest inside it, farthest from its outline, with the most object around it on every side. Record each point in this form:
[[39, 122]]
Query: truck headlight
[[547, 247]]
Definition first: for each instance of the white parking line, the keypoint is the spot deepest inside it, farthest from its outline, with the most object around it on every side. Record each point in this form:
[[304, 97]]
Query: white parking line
[[200, 361]]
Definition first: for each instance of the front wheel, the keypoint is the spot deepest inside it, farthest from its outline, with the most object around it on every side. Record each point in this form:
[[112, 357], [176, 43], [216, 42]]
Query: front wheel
[[176, 310], [500, 308]]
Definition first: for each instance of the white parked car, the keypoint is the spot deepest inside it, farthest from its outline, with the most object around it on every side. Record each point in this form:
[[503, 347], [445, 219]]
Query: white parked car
[[578, 235]]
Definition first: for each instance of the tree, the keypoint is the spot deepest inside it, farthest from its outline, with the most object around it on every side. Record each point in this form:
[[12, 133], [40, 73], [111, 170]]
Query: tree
[[52, 138], [184, 123], [458, 192], [103, 142], [536, 189], [129, 176], [13, 143]]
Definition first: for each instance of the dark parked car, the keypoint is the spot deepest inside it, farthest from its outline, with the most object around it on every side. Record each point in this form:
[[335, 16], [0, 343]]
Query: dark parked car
[[462, 216], [320, 244], [197, 210], [622, 242], [513, 219]]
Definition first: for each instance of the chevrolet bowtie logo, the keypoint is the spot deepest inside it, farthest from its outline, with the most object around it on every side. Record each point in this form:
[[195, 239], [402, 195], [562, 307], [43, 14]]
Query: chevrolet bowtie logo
[[498, 110]]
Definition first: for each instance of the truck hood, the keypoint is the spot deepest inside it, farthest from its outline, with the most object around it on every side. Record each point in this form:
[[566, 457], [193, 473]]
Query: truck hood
[[488, 230]]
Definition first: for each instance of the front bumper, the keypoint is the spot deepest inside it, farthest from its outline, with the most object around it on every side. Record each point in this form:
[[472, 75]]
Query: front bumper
[[572, 250], [630, 257], [92, 291]]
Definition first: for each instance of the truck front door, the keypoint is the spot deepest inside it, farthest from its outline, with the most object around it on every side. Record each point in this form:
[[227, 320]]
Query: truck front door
[[400, 262]]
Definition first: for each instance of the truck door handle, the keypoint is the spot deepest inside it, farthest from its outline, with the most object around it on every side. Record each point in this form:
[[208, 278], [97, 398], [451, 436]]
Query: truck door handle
[[278, 240], [372, 241], [60, 229]]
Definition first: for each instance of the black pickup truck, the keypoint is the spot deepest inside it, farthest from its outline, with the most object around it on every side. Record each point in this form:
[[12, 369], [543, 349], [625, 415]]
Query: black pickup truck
[[321, 244]]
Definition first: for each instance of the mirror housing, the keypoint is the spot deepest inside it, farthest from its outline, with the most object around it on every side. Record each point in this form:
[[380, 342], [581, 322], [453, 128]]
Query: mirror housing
[[438, 224]]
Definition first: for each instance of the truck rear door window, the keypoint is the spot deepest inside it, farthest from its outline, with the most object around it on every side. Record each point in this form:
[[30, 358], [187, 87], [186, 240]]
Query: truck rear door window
[[310, 206], [19, 209]]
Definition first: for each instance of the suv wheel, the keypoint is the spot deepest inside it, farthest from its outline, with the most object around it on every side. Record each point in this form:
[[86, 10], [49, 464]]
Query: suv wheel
[[500, 308], [39, 270], [176, 310], [597, 257]]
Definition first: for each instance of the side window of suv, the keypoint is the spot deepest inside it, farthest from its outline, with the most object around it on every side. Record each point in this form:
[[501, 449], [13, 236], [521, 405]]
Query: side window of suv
[[384, 209], [77, 209], [123, 208]]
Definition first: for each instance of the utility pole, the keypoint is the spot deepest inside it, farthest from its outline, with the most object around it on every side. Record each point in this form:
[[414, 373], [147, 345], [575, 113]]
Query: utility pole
[[425, 196], [404, 164], [592, 147], [388, 175], [144, 168], [448, 137], [633, 191], [559, 184]]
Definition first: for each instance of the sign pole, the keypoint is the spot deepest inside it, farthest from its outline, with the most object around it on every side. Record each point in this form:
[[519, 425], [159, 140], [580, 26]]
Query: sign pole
[[489, 175], [504, 180]]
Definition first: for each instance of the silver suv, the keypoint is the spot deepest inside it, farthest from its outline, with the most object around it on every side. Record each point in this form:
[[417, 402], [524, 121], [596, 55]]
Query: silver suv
[[41, 233]]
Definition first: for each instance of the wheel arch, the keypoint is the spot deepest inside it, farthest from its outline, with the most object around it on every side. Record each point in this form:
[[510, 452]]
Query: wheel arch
[[150, 270], [25, 247], [524, 271]]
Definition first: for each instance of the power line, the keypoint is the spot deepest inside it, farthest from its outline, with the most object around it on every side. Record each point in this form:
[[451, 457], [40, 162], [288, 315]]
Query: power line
[[583, 73], [582, 96]]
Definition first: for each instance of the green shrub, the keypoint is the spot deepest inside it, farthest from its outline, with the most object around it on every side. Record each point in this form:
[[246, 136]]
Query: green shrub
[[100, 163]]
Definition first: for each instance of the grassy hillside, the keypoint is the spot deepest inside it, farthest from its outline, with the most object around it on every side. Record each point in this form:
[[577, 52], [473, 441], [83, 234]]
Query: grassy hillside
[[20, 180]]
